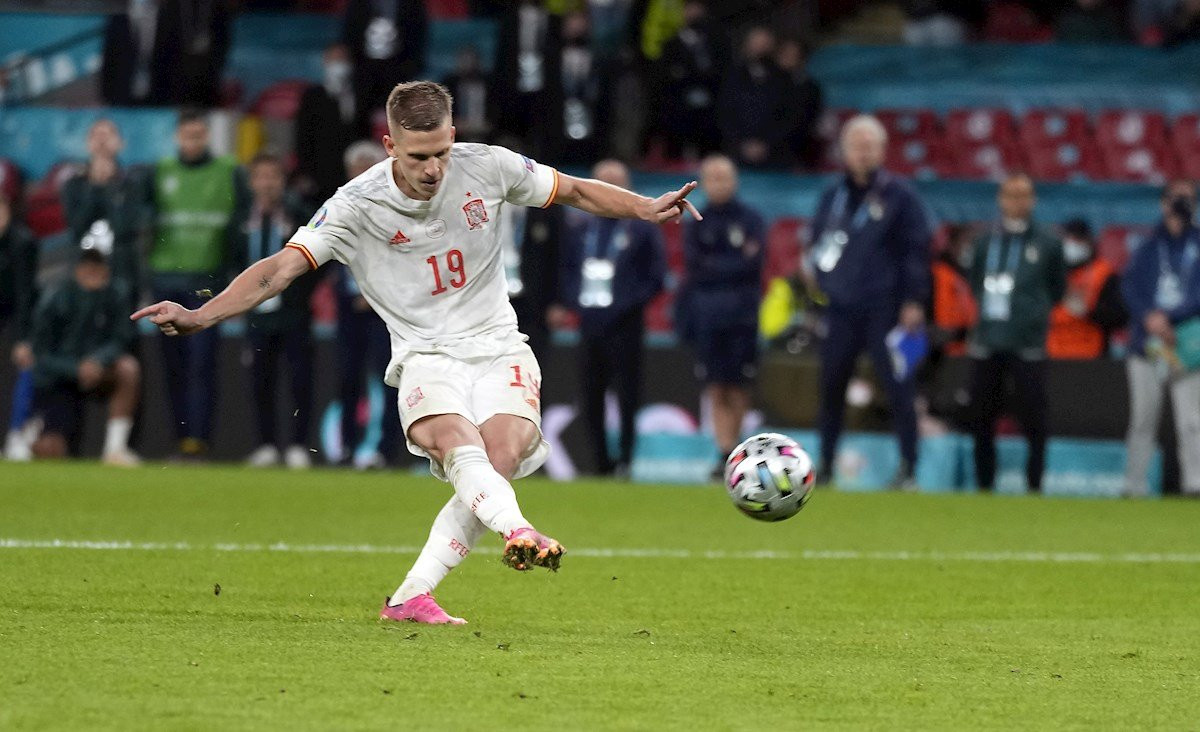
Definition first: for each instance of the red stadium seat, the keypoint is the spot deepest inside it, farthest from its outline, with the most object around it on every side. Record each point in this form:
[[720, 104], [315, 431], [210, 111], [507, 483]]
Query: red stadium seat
[[1012, 22], [918, 158], [784, 248], [1116, 243], [281, 100], [1186, 132], [980, 126], [1058, 162], [1131, 128], [909, 124], [1042, 127], [658, 313], [1189, 163], [1152, 165], [447, 9], [989, 161], [10, 180]]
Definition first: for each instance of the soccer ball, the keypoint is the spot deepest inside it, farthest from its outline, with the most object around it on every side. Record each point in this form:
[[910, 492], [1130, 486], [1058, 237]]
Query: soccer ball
[[769, 477]]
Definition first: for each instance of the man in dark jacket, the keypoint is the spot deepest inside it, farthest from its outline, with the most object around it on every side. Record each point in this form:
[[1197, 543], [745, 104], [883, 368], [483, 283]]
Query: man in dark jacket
[[1162, 290], [753, 104], [330, 118], [610, 270], [81, 340], [870, 254], [724, 258], [691, 64], [1017, 276], [104, 202], [281, 326], [387, 40]]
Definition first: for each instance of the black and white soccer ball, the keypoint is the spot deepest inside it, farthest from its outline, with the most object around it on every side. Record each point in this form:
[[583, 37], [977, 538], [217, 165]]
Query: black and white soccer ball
[[769, 477]]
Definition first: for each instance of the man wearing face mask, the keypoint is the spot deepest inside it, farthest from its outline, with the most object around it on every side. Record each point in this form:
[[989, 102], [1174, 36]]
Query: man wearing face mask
[[329, 120], [1162, 290], [1080, 325], [1017, 276]]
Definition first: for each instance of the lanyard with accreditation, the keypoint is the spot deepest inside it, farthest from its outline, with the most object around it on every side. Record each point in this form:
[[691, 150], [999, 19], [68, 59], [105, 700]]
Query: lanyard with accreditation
[[840, 223], [998, 284], [1169, 293], [596, 283]]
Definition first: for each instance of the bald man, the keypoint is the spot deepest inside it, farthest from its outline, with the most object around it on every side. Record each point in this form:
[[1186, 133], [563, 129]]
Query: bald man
[[1017, 275], [609, 271]]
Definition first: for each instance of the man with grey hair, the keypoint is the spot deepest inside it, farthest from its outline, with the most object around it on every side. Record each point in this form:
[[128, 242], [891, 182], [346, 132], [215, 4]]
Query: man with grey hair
[[869, 252]]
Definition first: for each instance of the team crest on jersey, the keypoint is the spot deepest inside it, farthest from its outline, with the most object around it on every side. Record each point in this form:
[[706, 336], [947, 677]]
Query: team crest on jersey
[[399, 239], [319, 218], [476, 214], [414, 398]]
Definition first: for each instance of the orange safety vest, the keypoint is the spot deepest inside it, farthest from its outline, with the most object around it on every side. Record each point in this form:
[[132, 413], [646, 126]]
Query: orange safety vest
[[954, 306], [1076, 336]]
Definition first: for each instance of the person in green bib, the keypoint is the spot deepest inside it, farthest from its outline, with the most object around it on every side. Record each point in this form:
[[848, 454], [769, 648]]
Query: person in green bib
[[196, 200], [1017, 275]]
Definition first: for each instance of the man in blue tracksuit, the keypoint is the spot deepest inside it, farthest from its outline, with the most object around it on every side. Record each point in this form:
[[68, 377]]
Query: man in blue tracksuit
[[870, 253], [719, 304], [609, 270]]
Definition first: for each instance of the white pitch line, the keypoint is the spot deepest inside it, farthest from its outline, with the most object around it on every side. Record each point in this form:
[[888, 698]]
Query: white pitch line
[[809, 554]]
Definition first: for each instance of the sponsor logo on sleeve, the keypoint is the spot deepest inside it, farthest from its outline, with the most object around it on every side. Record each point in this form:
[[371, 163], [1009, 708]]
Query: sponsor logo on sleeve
[[318, 218]]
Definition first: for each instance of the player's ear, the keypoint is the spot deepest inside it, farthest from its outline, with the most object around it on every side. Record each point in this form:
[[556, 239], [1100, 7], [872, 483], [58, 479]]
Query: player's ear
[[389, 146], [453, 131]]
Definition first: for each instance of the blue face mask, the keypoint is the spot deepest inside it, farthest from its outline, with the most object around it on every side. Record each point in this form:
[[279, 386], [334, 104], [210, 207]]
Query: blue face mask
[[1076, 252]]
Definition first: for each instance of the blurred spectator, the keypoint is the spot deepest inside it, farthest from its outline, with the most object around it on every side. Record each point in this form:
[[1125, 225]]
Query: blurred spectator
[[581, 139], [195, 198], [1017, 276], [1080, 325], [1184, 24], [1161, 286], [954, 312], [166, 52], [941, 23], [718, 309], [18, 297], [624, 105], [329, 119], [102, 202], [365, 348], [281, 326], [1151, 17], [1091, 21], [691, 66], [470, 87], [387, 40], [870, 253], [528, 62], [803, 105], [610, 270], [81, 341], [753, 102]]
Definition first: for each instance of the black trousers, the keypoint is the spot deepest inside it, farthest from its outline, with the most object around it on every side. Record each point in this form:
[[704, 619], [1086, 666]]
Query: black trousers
[[365, 350], [988, 387], [297, 350], [613, 358]]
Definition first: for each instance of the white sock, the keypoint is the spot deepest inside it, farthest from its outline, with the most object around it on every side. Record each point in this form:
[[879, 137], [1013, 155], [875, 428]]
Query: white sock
[[489, 496], [116, 436], [454, 533]]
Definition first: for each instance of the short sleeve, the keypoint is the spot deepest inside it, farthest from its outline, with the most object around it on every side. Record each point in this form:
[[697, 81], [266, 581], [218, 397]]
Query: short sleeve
[[330, 234], [526, 182]]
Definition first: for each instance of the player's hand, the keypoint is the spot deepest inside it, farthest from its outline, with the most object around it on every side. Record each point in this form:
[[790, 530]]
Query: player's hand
[[22, 356], [89, 372], [171, 318], [912, 317], [670, 205]]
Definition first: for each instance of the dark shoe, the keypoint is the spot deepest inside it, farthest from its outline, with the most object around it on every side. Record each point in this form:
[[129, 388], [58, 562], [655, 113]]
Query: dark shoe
[[905, 480]]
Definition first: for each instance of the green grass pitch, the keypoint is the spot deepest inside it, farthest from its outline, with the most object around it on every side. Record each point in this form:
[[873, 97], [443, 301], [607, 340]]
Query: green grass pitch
[[672, 611]]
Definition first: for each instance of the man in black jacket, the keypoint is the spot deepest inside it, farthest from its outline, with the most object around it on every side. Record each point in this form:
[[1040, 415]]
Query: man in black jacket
[[387, 40], [330, 118]]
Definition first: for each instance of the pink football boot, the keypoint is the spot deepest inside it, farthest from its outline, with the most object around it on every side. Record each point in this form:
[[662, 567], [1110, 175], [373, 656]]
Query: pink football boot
[[525, 549], [419, 609]]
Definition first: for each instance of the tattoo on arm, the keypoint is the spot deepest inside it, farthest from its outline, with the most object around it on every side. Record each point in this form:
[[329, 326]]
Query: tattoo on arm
[[264, 282]]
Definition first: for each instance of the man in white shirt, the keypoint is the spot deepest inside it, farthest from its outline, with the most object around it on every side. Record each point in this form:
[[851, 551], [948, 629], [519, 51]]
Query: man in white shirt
[[420, 232]]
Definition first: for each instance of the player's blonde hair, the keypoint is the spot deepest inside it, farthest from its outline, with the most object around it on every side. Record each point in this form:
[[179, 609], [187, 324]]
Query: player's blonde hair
[[418, 105]]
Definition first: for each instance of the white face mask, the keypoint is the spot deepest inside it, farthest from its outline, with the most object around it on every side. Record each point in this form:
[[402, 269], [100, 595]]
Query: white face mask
[[1076, 252], [337, 75]]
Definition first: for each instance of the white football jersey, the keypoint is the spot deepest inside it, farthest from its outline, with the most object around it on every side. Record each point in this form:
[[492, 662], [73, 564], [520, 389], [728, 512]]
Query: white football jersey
[[433, 270]]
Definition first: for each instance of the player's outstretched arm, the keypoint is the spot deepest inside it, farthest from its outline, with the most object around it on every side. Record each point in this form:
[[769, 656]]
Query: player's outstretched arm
[[260, 282], [602, 199]]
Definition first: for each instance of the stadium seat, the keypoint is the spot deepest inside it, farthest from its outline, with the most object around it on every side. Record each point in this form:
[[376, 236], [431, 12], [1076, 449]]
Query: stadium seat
[[1012, 22], [1131, 128], [1042, 127], [909, 124], [1185, 139], [980, 126], [1058, 162], [784, 247], [448, 9], [918, 158], [1116, 243], [1153, 165], [988, 161], [280, 100], [10, 180]]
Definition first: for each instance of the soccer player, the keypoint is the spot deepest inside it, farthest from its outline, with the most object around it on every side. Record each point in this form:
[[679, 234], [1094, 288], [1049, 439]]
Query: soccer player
[[420, 232]]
